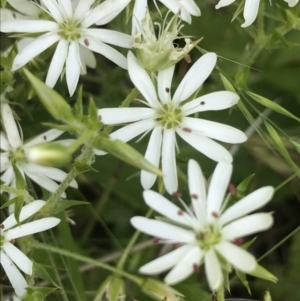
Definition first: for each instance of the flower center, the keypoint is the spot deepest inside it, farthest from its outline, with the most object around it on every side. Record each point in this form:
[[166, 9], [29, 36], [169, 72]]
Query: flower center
[[169, 116], [208, 237], [70, 30], [17, 156]]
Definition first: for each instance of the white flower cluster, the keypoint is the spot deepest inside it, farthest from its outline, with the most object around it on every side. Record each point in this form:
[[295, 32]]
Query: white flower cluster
[[205, 233]]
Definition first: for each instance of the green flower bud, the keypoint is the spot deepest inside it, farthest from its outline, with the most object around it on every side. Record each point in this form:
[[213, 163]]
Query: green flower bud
[[113, 288]]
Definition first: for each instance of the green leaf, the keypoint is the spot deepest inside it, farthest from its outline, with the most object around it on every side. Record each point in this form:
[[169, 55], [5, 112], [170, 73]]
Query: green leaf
[[261, 272], [37, 293], [65, 204], [243, 279], [271, 105], [53, 102]]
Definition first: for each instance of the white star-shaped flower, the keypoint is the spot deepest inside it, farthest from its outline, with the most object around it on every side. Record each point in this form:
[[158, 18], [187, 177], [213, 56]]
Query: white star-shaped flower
[[185, 8], [11, 258], [168, 115], [207, 234], [24, 155], [69, 26]]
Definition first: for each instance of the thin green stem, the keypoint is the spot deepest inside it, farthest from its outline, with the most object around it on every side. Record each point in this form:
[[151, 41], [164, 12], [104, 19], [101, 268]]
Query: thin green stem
[[129, 246], [220, 293]]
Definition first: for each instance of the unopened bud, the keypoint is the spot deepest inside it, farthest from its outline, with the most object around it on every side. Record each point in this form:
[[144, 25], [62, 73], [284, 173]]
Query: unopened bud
[[50, 154], [111, 289]]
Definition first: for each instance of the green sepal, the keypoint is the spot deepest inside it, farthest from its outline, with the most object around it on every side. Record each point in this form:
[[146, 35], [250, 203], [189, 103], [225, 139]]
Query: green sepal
[[227, 84], [20, 181], [38, 293], [61, 127], [3, 3], [40, 272], [239, 9], [247, 244], [53, 102], [92, 120], [126, 153], [65, 204], [243, 279], [78, 107], [81, 168], [261, 272], [10, 202], [20, 184]]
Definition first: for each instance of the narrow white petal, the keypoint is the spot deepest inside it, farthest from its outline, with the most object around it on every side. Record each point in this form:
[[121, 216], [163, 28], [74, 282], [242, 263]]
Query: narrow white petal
[[32, 227], [19, 258], [43, 138], [152, 155], [223, 3], [27, 211], [25, 7], [133, 130], [215, 130], [217, 188], [14, 275], [4, 145], [208, 147], [105, 12], [164, 262], [82, 8], [164, 82], [191, 7], [66, 5], [39, 45], [211, 102], [54, 10], [4, 161], [123, 115], [176, 7], [73, 67], [195, 77], [8, 176], [57, 63], [163, 206], [247, 225], [111, 37], [107, 51], [291, 3], [28, 26], [168, 161], [250, 12], [10, 126], [139, 13], [142, 80], [237, 256], [185, 266], [88, 57], [162, 230], [249, 203], [197, 190], [213, 270]]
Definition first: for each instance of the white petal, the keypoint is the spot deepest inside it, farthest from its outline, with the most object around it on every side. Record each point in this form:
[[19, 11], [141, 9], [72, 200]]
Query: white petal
[[87, 57], [197, 190], [247, 225], [27, 211], [191, 7], [73, 67], [223, 3], [195, 77], [111, 37], [133, 130], [57, 63], [164, 262], [139, 13], [66, 5], [176, 7], [163, 206], [8, 176], [162, 230], [43, 138], [217, 188], [25, 7], [164, 82], [32, 227], [123, 115], [215, 130], [141, 80], [19, 258], [208, 147], [14, 275], [10, 126], [168, 161], [250, 12], [39, 45], [152, 155], [213, 270], [82, 8], [105, 12], [4, 145], [237, 256], [211, 102], [107, 51], [28, 26], [185, 266], [54, 10], [249, 203], [4, 161]]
